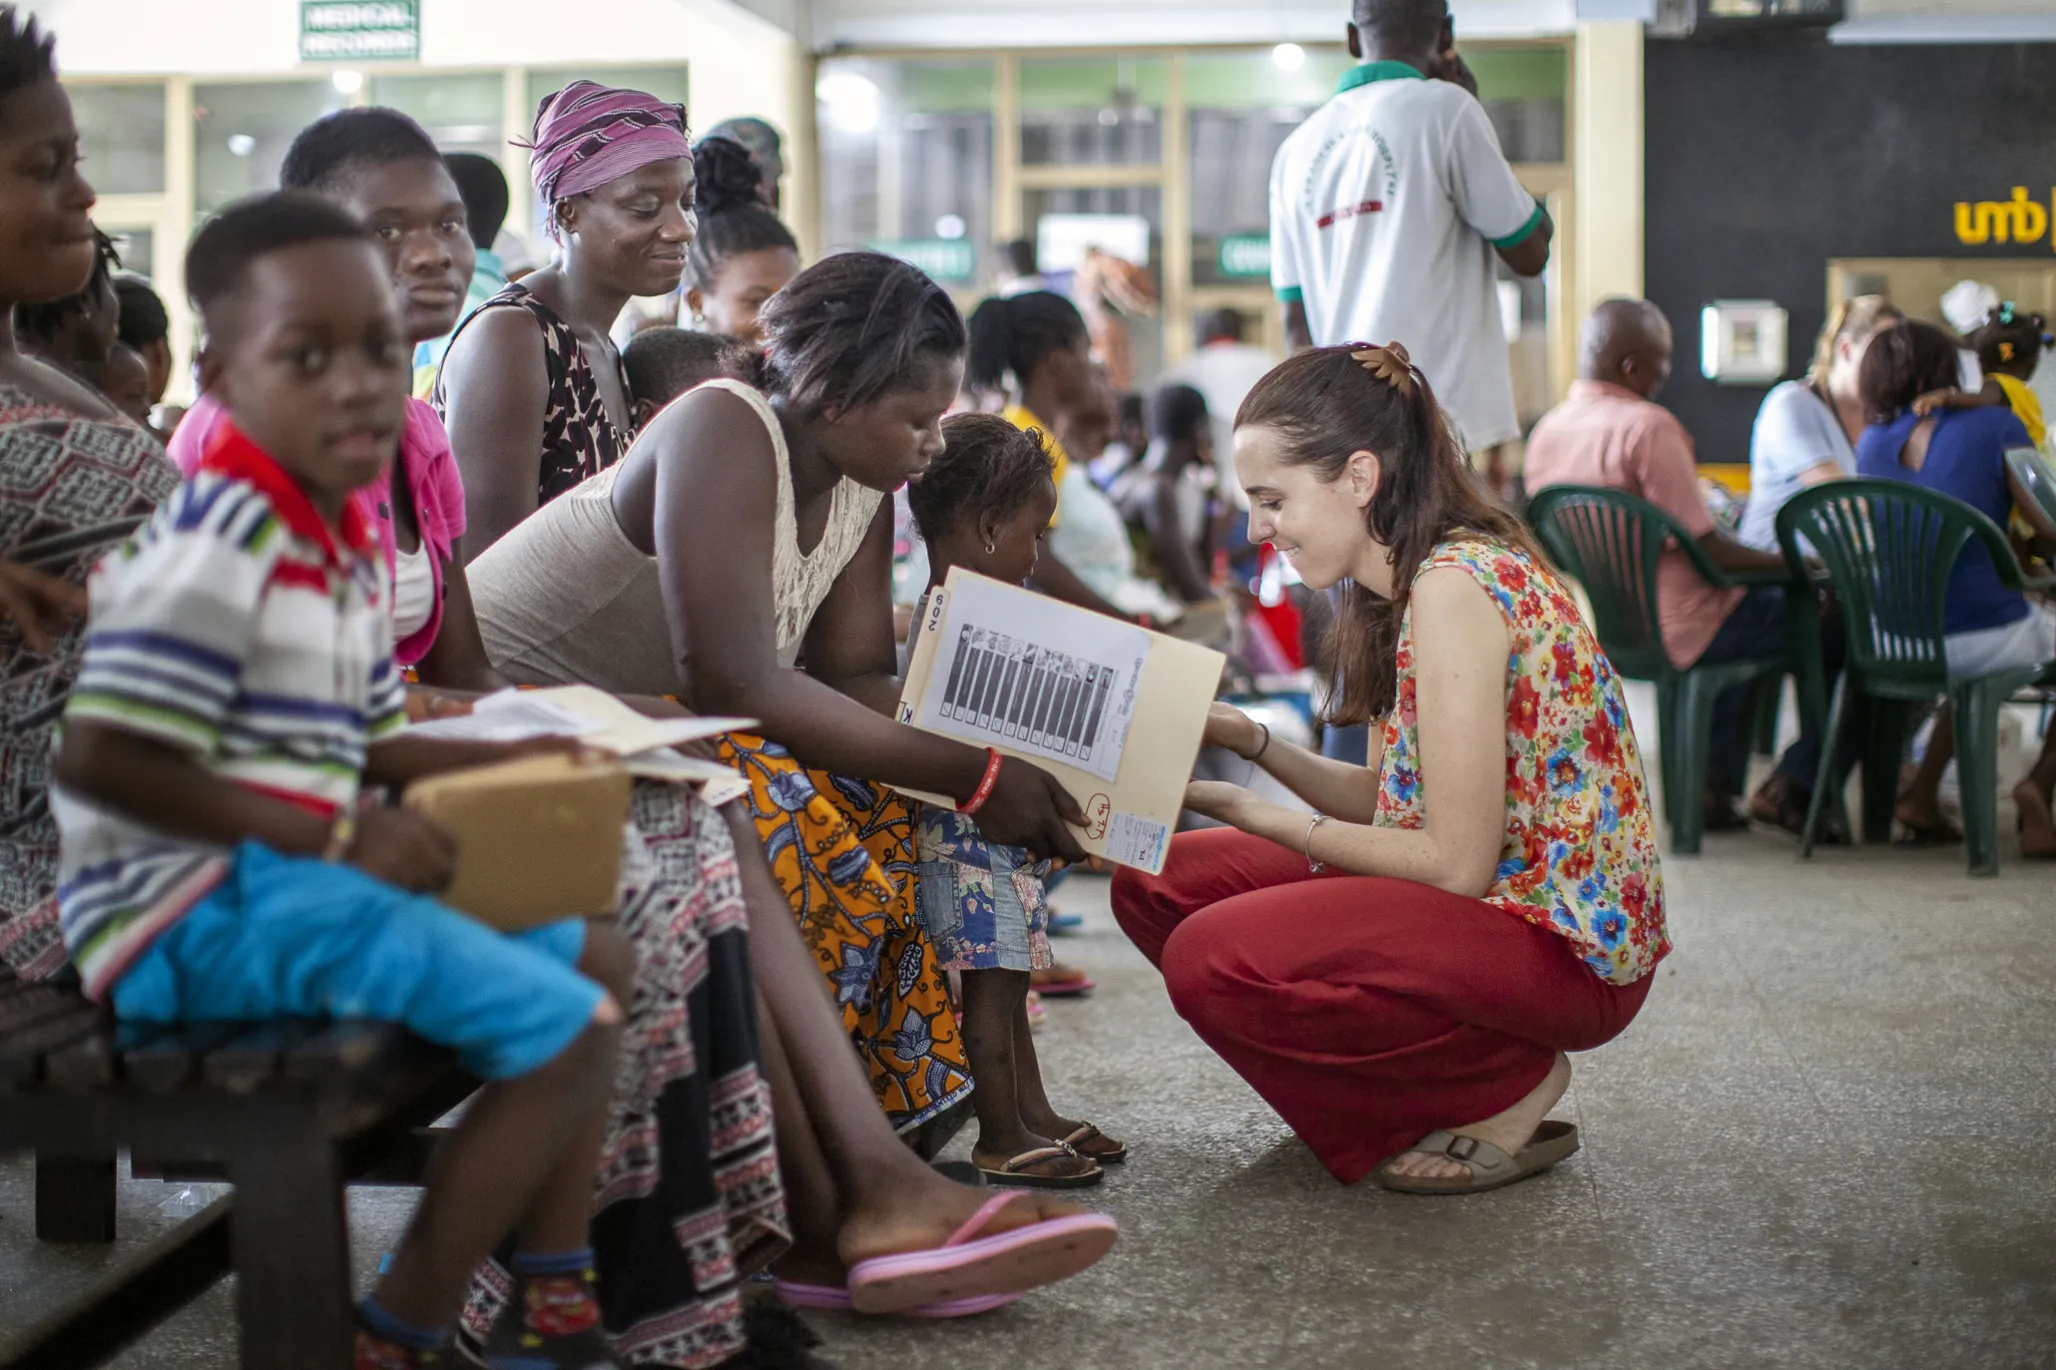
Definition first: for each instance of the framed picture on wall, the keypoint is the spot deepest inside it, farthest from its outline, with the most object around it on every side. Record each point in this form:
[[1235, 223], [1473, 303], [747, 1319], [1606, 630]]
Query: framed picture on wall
[[1742, 342]]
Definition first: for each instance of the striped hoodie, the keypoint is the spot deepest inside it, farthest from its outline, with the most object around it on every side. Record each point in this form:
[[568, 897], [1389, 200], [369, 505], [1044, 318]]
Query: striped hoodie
[[237, 627]]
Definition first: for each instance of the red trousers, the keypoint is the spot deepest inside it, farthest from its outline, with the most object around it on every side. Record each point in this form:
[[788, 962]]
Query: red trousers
[[1369, 1012]]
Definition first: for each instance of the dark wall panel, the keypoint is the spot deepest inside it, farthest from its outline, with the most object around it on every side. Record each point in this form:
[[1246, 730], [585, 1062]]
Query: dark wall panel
[[1766, 159]]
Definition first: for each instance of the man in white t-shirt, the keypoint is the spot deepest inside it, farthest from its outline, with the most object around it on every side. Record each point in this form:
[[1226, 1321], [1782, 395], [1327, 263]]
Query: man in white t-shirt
[[1387, 207]]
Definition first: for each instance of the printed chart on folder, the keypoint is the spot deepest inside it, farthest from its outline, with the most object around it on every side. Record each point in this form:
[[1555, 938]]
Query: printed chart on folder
[[1027, 674]]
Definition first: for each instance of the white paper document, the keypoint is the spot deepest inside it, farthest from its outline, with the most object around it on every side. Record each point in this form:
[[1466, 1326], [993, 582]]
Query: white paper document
[[604, 722], [1024, 671], [509, 716]]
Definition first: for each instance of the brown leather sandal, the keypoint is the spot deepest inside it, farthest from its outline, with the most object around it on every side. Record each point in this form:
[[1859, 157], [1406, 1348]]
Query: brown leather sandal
[[1014, 1171]]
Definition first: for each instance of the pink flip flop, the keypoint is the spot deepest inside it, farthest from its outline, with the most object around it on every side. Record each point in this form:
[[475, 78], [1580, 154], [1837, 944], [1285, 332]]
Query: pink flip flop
[[836, 1299], [968, 1265]]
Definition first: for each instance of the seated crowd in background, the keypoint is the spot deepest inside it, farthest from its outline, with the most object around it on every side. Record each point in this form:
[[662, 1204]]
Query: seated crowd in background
[[1881, 399]]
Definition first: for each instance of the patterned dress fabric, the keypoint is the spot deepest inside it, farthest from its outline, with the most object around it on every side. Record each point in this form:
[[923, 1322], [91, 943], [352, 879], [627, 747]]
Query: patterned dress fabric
[[688, 1202], [71, 489], [843, 852], [1580, 855], [983, 904], [579, 437]]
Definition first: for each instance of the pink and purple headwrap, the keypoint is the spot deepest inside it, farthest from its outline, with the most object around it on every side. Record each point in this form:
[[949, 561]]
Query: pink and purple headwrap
[[588, 134]]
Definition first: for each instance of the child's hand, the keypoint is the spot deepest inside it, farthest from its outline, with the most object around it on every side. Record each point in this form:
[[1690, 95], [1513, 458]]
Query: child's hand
[[1936, 399], [403, 849]]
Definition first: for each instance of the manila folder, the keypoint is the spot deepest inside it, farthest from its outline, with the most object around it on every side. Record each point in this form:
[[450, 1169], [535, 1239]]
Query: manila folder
[[538, 837], [1114, 711]]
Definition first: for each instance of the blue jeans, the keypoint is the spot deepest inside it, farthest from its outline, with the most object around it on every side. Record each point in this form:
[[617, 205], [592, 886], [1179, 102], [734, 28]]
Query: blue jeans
[[1756, 628]]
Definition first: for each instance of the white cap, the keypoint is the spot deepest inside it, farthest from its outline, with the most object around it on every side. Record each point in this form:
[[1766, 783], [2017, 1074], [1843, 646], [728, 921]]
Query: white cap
[[1966, 303]]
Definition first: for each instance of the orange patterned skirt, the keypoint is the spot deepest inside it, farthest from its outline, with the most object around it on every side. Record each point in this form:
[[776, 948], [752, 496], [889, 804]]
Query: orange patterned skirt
[[843, 852]]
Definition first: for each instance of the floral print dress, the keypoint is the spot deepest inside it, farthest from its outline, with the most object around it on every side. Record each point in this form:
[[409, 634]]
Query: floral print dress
[[1580, 854]]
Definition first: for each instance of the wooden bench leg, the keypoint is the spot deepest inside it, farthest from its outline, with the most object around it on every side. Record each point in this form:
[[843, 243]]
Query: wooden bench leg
[[292, 1248], [74, 1198]]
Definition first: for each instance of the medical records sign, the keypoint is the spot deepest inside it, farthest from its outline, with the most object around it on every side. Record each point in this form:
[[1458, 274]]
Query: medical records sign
[[360, 30]]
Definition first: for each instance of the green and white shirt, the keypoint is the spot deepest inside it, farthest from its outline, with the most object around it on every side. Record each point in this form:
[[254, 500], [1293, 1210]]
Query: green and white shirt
[[1386, 208], [239, 628]]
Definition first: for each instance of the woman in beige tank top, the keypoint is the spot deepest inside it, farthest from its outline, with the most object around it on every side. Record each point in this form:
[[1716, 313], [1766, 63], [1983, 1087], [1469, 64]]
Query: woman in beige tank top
[[746, 533]]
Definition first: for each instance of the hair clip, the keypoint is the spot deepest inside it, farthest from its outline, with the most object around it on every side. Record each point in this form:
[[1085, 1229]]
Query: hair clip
[[2006, 312], [2005, 351], [1389, 364]]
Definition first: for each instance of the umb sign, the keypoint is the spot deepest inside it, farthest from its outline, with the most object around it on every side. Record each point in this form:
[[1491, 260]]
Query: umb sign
[[360, 30]]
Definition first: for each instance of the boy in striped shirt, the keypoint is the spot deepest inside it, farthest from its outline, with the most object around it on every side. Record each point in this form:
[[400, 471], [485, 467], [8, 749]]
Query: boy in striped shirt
[[219, 859]]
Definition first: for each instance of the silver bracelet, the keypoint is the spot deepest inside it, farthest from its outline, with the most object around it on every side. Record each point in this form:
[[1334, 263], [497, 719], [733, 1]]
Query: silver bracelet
[[1314, 867], [1263, 746]]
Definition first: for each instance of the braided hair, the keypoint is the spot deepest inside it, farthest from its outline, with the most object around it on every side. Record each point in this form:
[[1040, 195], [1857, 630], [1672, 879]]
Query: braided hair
[[733, 216], [987, 466], [2010, 340], [27, 54]]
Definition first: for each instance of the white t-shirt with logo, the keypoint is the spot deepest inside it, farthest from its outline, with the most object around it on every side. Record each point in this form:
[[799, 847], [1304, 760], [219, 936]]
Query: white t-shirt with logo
[[1386, 208]]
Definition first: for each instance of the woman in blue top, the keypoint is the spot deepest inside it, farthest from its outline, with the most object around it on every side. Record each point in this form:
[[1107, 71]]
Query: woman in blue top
[[1961, 452]]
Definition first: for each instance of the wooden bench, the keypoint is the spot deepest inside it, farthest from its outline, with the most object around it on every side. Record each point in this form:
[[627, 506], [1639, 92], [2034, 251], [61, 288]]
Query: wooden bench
[[286, 1112]]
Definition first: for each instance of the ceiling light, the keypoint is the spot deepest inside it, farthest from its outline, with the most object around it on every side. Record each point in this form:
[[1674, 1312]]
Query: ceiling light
[[852, 101]]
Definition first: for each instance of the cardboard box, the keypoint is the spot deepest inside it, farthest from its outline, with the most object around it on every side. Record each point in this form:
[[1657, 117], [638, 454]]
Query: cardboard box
[[538, 838]]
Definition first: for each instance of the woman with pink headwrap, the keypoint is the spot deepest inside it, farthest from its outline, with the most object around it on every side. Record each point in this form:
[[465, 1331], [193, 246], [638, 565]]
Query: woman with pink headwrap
[[532, 388]]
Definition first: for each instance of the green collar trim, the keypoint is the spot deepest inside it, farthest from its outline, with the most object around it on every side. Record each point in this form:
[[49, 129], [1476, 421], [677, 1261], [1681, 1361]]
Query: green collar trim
[[1377, 71]]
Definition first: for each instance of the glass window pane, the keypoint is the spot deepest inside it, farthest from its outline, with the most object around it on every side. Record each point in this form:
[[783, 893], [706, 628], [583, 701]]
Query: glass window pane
[[121, 134], [1125, 221], [137, 248], [242, 131], [665, 83], [1523, 92], [906, 162], [462, 113], [1243, 104], [1092, 111]]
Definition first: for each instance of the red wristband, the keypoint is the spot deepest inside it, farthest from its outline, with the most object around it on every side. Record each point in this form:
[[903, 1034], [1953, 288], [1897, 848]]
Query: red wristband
[[984, 791]]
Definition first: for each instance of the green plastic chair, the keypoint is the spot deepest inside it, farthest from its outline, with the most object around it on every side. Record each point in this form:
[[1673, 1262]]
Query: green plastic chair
[[1888, 547], [1611, 542]]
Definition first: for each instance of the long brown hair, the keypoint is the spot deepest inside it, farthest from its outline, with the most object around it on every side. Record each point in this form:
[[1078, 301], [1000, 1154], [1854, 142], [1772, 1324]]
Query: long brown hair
[[1325, 404]]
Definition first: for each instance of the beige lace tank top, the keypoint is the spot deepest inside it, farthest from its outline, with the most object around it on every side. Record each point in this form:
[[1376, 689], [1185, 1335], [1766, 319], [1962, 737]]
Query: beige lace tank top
[[566, 597], [801, 581]]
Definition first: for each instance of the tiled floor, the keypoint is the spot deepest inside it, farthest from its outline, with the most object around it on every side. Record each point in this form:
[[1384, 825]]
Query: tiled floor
[[1825, 1143]]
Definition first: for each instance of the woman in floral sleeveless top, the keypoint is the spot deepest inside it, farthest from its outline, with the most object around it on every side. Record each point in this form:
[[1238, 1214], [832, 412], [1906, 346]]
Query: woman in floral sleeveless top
[[1401, 972]]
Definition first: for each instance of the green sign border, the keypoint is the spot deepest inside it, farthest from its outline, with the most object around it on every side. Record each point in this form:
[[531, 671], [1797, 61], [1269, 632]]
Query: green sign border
[[411, 32]]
